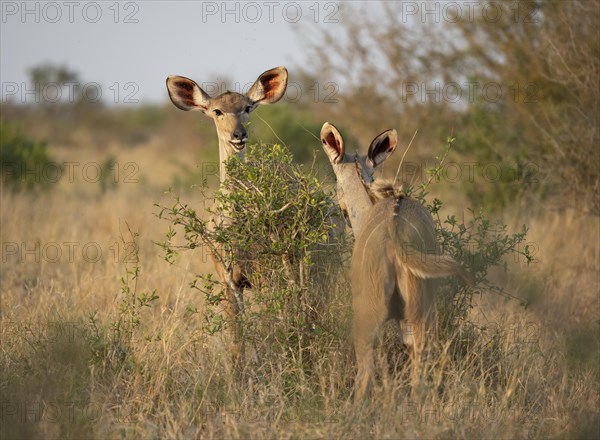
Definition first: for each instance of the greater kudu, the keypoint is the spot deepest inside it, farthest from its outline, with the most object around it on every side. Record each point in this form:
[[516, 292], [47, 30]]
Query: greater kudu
[[395, 252], [231, 112]]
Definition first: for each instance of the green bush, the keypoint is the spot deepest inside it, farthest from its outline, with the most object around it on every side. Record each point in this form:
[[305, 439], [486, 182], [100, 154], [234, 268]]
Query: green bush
[[273, 219], [25, 163], [479, 243]]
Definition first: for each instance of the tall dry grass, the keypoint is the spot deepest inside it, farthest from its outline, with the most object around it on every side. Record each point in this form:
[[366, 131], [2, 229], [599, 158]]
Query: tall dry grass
[[524, 373]]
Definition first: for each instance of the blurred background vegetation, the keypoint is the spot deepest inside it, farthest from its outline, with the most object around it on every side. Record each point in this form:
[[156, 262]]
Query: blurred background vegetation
[[519, 93], [528, 91]]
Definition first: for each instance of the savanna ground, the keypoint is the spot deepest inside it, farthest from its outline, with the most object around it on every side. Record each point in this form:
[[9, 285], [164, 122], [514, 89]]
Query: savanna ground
[[532, 373], [102, 338]]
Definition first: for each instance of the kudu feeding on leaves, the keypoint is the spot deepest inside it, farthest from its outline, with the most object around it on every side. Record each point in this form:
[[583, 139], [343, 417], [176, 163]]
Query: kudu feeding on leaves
[[231, 113], [395, 252]]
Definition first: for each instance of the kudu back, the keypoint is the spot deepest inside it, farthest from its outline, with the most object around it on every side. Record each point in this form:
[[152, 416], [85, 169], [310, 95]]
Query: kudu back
[[394, 256]]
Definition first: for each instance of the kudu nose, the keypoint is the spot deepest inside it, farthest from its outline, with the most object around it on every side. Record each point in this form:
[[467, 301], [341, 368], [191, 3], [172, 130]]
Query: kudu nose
[[240, 134]]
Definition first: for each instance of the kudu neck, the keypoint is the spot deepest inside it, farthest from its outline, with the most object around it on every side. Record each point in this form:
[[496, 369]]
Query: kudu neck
[[355, 196], [226, 151]]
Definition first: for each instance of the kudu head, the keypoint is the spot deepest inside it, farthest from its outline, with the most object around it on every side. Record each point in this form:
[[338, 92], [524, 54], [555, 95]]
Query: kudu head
[[354, 172], [229, 110]]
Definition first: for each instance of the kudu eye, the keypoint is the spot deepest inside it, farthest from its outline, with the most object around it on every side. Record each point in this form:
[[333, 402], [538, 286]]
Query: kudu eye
[[218, 112], [248, 108]]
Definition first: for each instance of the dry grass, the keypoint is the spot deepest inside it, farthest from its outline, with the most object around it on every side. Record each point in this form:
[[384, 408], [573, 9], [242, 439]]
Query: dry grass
[[530, 374]]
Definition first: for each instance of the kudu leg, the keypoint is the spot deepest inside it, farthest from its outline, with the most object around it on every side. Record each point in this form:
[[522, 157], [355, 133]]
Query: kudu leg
[[233, 310], [363, 346], [364, 332], [417, 325], [370, 297], [233, 305]]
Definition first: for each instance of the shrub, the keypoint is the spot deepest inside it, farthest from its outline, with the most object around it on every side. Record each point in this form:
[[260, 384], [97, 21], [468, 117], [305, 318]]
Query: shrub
[[273, 219], [25, 163], [480, 244]]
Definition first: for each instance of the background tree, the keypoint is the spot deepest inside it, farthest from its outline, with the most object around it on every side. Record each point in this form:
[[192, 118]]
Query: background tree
[[55, 84], [518, 85]]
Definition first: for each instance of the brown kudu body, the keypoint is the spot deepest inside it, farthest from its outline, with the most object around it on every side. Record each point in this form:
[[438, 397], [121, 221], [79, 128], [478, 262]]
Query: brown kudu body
[[231, 113], [395, 253]]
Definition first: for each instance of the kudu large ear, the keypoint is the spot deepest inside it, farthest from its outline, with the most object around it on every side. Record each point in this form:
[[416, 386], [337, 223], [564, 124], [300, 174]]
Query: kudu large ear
[[333, 143], [382, 146], [186, 94], [269, 87]]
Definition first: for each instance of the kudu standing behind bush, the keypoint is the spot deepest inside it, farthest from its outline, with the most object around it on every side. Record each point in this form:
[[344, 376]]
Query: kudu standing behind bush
[[231, 112], [394, 255]]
